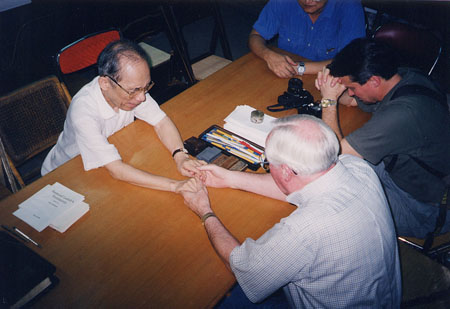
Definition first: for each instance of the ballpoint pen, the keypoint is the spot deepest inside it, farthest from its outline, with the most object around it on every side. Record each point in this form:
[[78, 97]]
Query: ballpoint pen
[[27, 237], [9, 230]]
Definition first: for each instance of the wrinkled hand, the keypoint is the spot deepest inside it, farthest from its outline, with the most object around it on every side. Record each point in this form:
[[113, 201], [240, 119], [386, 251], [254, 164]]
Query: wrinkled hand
[[188, 167], [283, 66], [329, 86], [197, 201], [189, 185], [215, 176]]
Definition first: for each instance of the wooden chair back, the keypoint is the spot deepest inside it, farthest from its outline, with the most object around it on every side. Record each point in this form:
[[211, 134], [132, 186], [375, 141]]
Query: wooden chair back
[[31, 119]]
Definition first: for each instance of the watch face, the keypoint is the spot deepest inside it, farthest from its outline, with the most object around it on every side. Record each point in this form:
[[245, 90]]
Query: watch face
[[301, 68], [327, 102]]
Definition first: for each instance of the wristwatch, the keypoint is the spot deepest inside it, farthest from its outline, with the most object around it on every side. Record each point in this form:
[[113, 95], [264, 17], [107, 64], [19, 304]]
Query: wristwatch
[[179, 150], [301, 68], [327, 102]]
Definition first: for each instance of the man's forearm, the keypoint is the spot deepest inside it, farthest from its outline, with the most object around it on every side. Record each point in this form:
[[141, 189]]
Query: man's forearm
[[312, 67], [329, 116], [168, 134], [125, 172], [257, 45], [221, 239], [262, 184]]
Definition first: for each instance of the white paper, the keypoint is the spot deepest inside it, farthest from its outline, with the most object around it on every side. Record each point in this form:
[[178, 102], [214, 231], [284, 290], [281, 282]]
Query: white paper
[[41, 209], [69, 217], [239, 123], [36, 220], [57, 195]]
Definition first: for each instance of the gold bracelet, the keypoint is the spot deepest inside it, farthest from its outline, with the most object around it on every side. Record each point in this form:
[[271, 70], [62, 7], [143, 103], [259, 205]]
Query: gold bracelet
[[206, 216]]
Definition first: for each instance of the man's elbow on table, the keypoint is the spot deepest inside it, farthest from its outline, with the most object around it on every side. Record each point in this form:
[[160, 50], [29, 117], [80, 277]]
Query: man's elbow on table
[[117, 169]]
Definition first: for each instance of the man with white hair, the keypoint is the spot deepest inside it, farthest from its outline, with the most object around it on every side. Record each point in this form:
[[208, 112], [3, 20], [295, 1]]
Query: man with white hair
[[337, 249]]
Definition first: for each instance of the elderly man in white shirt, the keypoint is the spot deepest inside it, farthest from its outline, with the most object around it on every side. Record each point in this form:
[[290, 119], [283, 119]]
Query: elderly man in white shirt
[[106, 105]]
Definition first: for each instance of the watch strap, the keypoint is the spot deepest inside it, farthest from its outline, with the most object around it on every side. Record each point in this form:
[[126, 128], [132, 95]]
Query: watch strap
[[179, 150], [207, 215]]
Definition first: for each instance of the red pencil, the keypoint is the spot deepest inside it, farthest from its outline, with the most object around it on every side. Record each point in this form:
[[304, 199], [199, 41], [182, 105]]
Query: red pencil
[[250, 147]]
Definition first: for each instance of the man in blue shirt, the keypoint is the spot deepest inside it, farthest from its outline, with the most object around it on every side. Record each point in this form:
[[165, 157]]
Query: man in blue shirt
[[314, 29]]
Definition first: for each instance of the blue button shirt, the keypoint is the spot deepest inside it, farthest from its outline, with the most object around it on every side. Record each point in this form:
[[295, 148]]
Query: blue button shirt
[[338, 24]]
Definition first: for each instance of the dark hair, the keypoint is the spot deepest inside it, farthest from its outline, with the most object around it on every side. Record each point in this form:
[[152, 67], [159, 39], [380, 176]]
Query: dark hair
[[108, 60], [363, 58]]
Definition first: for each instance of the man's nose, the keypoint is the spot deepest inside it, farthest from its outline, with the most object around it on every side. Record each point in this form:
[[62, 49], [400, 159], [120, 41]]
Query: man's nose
[[141, 96]]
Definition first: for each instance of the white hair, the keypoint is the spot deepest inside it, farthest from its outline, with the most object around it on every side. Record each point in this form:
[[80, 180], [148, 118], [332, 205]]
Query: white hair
[[304, 143]]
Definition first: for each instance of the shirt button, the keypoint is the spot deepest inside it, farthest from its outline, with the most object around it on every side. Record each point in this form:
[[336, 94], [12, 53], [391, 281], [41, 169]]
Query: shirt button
[[312, 27], [289, 39], [309, 44]]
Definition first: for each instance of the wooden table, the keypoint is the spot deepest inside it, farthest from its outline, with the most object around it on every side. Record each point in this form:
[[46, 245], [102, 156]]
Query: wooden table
[[140, 248]]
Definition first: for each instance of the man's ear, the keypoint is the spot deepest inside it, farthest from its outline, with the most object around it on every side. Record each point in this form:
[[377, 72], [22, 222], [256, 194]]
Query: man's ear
[[374, 81], [103, 81], [287, 173]]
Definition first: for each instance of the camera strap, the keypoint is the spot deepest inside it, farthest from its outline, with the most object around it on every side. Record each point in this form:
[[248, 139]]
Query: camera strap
[[287, 101]]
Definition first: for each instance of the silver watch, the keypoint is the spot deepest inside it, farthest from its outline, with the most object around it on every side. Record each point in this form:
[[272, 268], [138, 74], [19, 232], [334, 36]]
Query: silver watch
[[301, 68]]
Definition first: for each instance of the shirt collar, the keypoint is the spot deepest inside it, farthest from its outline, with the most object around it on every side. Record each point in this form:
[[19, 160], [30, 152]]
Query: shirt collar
[[328, 11], [105, 110], [320, 186]]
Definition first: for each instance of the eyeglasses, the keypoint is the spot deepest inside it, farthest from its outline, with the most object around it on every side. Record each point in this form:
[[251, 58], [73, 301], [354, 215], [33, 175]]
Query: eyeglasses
[[263, 162], [266, 165], [136, 91]]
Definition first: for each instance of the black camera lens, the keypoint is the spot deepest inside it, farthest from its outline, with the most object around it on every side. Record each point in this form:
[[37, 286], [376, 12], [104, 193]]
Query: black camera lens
[[295, 86], [297, 97]]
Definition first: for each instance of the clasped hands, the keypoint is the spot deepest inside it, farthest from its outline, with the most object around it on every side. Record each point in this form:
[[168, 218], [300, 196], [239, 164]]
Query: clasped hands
[[329, 86], [194, 191]]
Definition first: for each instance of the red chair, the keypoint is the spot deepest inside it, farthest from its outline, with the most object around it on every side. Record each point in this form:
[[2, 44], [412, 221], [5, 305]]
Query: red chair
[[82, 55], [418, 48]]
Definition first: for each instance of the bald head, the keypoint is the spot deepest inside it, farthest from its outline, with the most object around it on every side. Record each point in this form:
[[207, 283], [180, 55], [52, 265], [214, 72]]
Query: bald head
[[111, 59], [304, 143]]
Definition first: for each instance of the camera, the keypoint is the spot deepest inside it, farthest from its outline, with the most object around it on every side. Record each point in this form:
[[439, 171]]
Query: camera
[[297, 97]]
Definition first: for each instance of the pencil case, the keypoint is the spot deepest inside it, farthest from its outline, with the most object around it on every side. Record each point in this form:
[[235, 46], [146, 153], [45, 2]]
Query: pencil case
[[238, 146]]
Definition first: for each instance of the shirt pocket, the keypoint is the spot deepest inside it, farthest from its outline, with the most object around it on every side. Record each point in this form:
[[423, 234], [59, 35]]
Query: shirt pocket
[[330, 42]]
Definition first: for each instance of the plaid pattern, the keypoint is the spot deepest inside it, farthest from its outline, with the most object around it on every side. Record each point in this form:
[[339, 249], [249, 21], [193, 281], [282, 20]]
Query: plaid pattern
[[337, 250]]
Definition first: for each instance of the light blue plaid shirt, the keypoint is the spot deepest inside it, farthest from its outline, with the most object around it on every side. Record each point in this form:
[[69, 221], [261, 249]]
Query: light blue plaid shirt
[[337, 250]]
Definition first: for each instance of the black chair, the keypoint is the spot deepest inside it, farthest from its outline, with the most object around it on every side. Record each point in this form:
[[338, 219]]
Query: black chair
[[417, 47], [185, 14], [167, 68]]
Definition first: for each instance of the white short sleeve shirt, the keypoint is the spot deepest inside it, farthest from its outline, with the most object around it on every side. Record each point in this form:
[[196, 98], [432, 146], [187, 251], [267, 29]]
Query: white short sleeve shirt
[[90, 121]]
